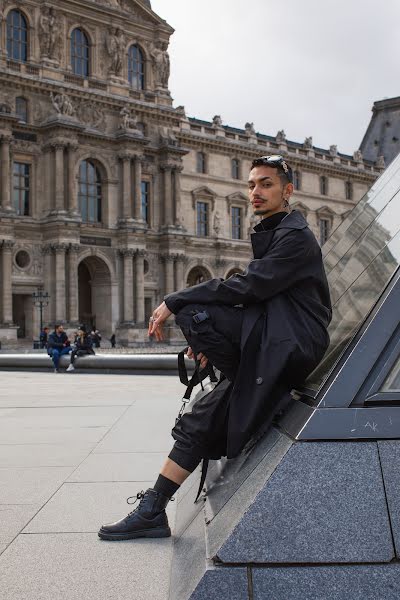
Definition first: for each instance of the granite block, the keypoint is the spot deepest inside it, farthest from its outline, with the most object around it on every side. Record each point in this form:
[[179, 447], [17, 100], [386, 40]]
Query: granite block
[[188, 562], [389, 452], [359, 582], [64, 417], [31, 486], [77, 436], [324, 503], [119, 466], [76, 566], [13, 518], [228, 517], [221, 583]]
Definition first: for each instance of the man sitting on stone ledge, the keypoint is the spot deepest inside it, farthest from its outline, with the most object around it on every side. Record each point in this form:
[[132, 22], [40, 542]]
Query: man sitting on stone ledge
[[265, 330], [58, 344]]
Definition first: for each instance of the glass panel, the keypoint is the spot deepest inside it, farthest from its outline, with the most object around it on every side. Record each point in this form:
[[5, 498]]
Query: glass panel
[[360, 262], [392, 381]]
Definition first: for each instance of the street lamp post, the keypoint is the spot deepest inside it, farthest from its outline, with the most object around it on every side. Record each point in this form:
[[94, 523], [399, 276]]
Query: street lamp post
[[40, 299]]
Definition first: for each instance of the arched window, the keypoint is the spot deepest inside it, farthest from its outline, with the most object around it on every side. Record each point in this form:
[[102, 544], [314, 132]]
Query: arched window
[[349, 190], [323, 183], [89, 192], [235, 167], [296, 180], [80, 53], [197, 275], [136, 68], [17, 36], [21, 108]]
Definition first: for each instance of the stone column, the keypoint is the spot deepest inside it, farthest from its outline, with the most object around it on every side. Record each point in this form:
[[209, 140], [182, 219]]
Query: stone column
[[138, 189], [177, 196], [179, 264], [59, 178], [6, 251], [73, 283], [169, 274], [168, 208], [48, 280], [5, 171], [140, 254], [73, 208], [126, 187], [128, 255], [60, 250]]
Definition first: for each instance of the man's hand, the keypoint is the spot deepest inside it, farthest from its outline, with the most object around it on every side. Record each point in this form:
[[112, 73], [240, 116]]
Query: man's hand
[[156, 321], [203, 359]]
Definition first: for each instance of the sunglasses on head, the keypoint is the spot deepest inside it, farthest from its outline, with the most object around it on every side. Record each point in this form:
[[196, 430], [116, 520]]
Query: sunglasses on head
[[274, 160]]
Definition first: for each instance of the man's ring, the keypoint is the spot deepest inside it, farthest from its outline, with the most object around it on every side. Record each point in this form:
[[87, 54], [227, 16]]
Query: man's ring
[[151, 319]]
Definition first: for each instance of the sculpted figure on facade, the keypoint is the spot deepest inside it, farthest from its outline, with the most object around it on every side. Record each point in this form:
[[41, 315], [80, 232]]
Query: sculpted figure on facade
[[116, 46], [380, 162], [49, 33], [358, 156], [281, 136], [91, 114], [249, 128], [217, 223], [308, 143], [333, 150], [62, 104], [160, 58], [217, 122], [128, 120]]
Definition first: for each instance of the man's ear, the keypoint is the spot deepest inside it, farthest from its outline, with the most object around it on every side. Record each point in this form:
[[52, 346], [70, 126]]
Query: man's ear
[[289, 189]]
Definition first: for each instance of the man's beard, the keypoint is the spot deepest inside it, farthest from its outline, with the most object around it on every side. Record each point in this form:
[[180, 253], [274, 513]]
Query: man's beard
[[260, 211]]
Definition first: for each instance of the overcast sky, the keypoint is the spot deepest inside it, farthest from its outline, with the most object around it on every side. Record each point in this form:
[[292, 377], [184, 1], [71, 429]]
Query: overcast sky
[[311, 67]]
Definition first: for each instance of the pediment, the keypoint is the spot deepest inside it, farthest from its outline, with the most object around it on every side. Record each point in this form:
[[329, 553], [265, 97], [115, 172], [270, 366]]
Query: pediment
[[325, 210], [238, 197], [203, 191], [299, 206], [140, 12]]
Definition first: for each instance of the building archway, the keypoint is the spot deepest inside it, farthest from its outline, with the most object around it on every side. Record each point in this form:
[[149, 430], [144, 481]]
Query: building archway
[[94, 292], [197, 275]]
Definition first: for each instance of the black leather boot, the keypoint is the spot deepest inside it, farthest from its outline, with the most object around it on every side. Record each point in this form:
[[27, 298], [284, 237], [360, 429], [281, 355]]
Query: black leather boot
[[149, 519]]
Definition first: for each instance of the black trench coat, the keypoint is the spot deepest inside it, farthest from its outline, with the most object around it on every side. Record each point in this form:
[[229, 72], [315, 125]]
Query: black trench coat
[[285, 287]]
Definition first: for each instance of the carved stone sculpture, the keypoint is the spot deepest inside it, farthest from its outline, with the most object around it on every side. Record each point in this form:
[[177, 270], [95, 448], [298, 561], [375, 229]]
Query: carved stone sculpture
[[333, 150], [281, 136], [357, 156], [249, 128], [380, 162], [128, 120], [217, 121], [50, 33], [115, 44], [308, 143], [62, 104], [217, 223], [160, 58]]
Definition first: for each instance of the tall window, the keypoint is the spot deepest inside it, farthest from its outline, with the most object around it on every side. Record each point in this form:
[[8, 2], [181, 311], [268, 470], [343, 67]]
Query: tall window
[[21, 108], [296, 180], [236, 214], [145, 190], [136, 68], [201, 162], [80, 53], [89, 192], [17, 36], [349, 190], [202, 219], [235, 168], [21, 188], [324, 230], [323, 183]]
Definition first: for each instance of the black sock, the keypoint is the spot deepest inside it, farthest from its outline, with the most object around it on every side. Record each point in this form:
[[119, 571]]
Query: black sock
[[166, 486]]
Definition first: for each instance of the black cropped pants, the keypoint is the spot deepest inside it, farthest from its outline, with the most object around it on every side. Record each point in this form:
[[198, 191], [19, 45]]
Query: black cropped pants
[[215, 331]]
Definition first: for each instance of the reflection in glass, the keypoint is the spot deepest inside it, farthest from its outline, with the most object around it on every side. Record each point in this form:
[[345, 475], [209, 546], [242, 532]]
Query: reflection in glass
[[362, 256], [392, 381]]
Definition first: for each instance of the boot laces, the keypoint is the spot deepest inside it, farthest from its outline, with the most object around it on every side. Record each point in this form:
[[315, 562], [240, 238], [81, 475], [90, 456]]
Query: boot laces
[[138, 496]]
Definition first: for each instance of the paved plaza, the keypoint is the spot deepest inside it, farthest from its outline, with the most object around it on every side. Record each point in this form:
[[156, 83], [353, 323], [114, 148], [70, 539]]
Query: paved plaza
[[72, 449]]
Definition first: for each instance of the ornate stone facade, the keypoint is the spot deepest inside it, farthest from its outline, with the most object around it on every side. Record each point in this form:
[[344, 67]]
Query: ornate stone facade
[[110, 197]]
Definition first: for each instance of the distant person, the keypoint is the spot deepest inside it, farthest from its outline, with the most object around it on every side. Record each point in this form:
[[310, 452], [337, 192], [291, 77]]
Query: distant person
[[112, 340], [83, 345], [44, 334], [58, 344], [96, 338]]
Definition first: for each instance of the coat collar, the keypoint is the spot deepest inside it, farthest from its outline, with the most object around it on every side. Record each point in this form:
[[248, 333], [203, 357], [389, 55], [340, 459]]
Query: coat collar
[[260, 240]]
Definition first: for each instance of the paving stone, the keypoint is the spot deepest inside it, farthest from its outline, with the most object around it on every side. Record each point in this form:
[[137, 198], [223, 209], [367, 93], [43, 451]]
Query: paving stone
[[119, 466], [60, 416], [220, 583], [84, 507], [43, 455], [13, 519], [30, 486], [55, 435], [2, 548], [360, 582], [324, 503], [77, 566]]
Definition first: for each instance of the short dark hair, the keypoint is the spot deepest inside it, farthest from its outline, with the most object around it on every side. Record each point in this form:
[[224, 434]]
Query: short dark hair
[[57, 325], [285, 174]]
